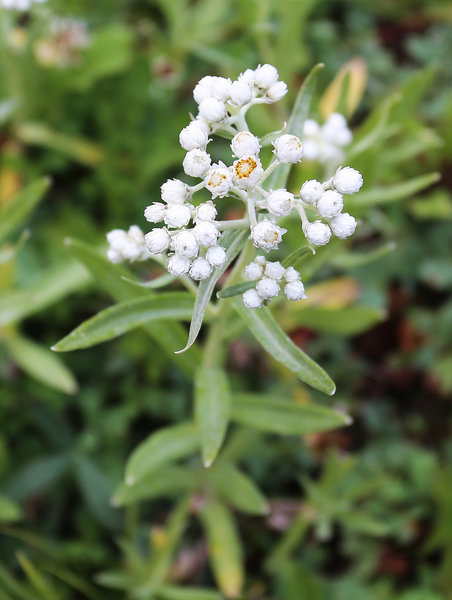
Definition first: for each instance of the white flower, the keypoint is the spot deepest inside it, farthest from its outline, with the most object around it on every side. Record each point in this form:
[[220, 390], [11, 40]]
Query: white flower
[[274, 270], [330, 204], [219, 180], [335, 130], [193, 136], [178, 265], [206, 212], [155, 212], [247, 171], [196, 162], [240, 93], [212, 110], [245, 143], [157, 241], [267, 288], [221, 88], [265, 76], [347, 180], [216, 255], [251, 299], [317, 233], [177, 215], [343, 225], [280, 202], [311, 191], [185, 244], [203, 89], [267, 235], [294, 290], [288, 149], [291, 275], [126, 245], [310, 128], [277, 91], [200, 269], [247, 77], [311, 149], [175, 191], [21, 5], [206, 233], [253, 271], [260, 260]]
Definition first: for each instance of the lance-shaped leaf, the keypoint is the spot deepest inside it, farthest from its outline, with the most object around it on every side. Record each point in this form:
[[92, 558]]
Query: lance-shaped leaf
[[225, 549], [270, 335], [212, 403], [123, 317], [274, 415], [236, 290], [9, 510], [349, 320], [237, 488], [391, 193], [164, 446], [233, 242], [353, 260]]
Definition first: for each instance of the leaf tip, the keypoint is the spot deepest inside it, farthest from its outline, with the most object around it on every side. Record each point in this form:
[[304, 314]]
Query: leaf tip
[[183, 349], [54, 348], [332, 391]]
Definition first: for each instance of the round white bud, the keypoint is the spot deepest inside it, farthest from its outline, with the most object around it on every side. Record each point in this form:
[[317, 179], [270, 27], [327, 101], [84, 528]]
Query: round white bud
[[247, 77], [245, 143], [260, 260], [347, 180], [280, 202], [193, 136], [267, 288], [311, 191], [318, 233], [203, 89], [247, 171], [174, 191], [274, 270], [185, 244], [157, 241], [310, 128], [330, 204], [251, 299], [288, 149], [216, 255], [343, 225], [200, 269], [178, 265], [219, 180], [336, 121], [206, 212], [310, 149], [265, 76], [253, 271], [344, 137], [212, 110], [267, 235], [220, 88], [240, 93], [196, 162], [155, 212], [114, 256], [291, 275], [277, 91], [177, 215], [206, 233], [294, 290]]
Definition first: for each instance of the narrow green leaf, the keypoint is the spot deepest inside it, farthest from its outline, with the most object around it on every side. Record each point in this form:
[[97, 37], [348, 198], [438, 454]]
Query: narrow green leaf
[[273, 339], [156, 283], [9, 510], [172, 592], [41, 364], [123, 317], [353, 260], [236, 289], [41, 586], [164, 446], [299, 115], [238, 489], [225, 549], [12, 585], [212, 403], [36, 476], [15, 212], [274, 415], [296, 258], [233, 242], [344, 321], [398, 191]]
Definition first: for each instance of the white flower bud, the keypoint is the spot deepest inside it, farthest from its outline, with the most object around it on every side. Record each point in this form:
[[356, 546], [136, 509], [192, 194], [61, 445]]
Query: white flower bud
[[219, 180], [330, 204], [318, 233], [247, 77], [277, 91], [274, 270], [260, 260], [178, 265], [177, 215], [267, 288], [343, 225], [185, 244], [206, 212], [221, 88], [212, 110], [265, 76], [280, 202], [311, 191], [200, 269], [240, 93], [347, 180], [267, 235], [157, 241], [251, 299], [203, 89], [126, 245], [155, 212], [291, 275], [294, 290], [245, 144], [247, 171], [135, 234], [175, 191], [288, 148], [310, 149], [114, 256], [196, 162], [310, 128], [336, 121], [193, 136], [216, 255], [253, 271], [206, 233]]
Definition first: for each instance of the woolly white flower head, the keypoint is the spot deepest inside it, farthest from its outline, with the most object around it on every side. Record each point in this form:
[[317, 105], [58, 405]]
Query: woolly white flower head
[[288, 148]]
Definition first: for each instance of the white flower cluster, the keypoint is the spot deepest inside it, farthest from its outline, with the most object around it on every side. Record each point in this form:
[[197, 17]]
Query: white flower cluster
[[325, 143], [21, 5], [126, 245], [269, 277], [61, 47]]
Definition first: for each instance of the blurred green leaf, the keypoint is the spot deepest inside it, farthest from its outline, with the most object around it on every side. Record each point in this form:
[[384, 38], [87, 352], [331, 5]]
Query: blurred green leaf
[[11, 585], [352, 260], [344, 321], [398, 191], [172, 592], [236, 289], [295, 581], [238, 489], [9, 510], [36, 476], [41, 586]]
